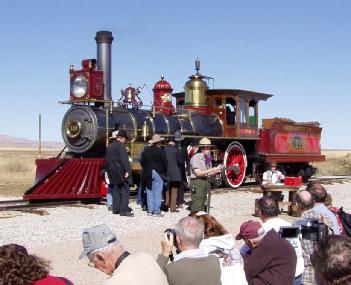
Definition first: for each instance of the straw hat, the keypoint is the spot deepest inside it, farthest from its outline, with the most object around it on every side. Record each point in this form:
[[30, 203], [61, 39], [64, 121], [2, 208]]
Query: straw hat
[[204, 142], [156, 138]]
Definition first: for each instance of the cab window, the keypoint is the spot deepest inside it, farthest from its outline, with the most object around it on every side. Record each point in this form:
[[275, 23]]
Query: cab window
[[230, 111], [243, 111], [252, 113]]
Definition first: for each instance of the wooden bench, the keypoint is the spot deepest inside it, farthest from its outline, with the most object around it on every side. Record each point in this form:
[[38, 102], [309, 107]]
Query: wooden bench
[[277, 190]]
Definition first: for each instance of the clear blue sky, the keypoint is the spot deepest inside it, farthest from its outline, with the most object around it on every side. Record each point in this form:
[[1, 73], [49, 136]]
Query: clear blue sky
[[299, 51]]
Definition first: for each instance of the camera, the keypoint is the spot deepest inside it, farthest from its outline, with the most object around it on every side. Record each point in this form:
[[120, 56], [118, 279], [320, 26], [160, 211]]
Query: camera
[[169, 232], [289, 232], [313, 230], [310, 229], [173, 232]]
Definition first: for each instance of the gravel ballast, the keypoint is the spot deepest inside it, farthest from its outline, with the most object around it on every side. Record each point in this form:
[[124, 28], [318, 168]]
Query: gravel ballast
[[57, 235]]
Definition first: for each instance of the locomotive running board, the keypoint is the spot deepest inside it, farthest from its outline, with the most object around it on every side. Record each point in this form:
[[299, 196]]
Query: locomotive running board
[[60, 179]]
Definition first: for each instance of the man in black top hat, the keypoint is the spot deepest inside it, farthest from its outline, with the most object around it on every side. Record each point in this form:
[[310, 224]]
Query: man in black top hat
[[185, 166], [119, 172]]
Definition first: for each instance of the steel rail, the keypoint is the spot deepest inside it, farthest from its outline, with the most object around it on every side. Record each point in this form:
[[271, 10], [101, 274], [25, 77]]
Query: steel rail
[[18, 204]]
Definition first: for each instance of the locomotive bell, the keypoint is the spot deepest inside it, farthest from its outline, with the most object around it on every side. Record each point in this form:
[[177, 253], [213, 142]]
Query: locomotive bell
[[196, 89]]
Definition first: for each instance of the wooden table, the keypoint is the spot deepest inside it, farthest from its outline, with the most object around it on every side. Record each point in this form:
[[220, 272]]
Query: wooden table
[[277, 190]]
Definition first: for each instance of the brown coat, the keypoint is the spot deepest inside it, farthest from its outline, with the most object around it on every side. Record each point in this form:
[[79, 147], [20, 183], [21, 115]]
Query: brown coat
[[192, 271]]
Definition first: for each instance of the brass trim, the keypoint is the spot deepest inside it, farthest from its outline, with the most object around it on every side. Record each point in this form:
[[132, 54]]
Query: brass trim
[[135, 128], [152, 123], [76, 133], [220, 121], [167, 123], [191, 122]]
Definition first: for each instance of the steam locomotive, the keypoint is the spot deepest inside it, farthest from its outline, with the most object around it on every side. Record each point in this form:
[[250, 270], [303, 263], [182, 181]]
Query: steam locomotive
[[229, 117]]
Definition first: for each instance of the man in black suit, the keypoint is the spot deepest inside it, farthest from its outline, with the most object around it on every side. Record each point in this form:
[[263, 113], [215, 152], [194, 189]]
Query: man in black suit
[[119, 172], [185, 167]]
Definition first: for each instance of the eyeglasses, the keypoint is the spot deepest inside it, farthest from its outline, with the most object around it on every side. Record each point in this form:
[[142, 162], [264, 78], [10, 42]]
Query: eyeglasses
[[91, 262]]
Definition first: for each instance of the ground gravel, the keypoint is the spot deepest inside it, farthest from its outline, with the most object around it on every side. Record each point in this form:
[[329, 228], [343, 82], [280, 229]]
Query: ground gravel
[[57, 235]]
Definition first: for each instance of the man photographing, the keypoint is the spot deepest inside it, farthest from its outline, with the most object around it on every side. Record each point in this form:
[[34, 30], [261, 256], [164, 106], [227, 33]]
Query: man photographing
[[192, 266]]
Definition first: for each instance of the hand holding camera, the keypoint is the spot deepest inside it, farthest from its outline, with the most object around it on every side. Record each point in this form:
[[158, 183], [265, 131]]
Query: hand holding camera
[[167, 242]]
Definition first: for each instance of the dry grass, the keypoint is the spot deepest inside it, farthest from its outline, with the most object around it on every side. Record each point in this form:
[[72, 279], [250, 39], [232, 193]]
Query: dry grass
[[337, 163], [17, 169]]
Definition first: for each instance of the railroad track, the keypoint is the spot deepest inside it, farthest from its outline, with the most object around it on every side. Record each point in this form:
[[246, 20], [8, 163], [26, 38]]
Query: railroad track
[[23, 205]]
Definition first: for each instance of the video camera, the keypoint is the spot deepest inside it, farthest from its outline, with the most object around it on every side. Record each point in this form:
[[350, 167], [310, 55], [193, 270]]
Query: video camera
[[310, 229]]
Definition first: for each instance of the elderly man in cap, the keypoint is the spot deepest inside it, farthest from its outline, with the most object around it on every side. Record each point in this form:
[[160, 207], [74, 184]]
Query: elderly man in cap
[[201, 169], [119, 173], [108, 255], [154, 163], [271, 260]]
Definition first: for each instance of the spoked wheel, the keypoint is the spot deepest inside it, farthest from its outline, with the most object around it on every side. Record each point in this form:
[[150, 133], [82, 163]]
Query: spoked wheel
[[235, 159]]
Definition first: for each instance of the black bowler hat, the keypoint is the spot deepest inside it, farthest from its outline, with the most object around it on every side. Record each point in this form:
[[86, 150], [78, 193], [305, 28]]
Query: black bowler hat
[[178, 136], [119, 133]]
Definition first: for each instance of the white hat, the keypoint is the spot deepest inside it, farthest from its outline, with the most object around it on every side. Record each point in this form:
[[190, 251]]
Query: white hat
[[204, 142], [156, 138]]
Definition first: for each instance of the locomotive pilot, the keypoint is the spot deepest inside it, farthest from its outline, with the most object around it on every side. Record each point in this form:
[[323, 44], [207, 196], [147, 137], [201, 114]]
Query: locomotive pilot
[[201, 169], [273, 175]]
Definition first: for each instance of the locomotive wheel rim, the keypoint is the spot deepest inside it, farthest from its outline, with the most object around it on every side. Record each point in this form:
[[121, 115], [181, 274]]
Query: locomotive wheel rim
[[235, 156]]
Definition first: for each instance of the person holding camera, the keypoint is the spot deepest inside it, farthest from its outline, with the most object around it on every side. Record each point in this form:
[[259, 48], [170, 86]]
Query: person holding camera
[[305, 203], [319, 195], [192, 266], [271, 259], [200, 171], [268, 213]]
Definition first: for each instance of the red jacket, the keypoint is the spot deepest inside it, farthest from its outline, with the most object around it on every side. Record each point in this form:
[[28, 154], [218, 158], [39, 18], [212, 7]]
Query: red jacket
[[52, 280]]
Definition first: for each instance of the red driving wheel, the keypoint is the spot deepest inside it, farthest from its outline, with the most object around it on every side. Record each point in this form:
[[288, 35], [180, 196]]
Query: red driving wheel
[[235, 158]]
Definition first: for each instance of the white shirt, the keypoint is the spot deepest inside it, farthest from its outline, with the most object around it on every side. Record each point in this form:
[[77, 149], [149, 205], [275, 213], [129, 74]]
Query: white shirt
[[232, 267], [272, 177], [275, 223]]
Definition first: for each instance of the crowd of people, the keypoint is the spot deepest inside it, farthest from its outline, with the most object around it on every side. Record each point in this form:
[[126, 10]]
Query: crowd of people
[[200, 250], [165, 167]]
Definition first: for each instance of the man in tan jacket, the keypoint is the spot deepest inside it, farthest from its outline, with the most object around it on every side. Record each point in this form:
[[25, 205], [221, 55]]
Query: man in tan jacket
[[192, 265], [106, 253]]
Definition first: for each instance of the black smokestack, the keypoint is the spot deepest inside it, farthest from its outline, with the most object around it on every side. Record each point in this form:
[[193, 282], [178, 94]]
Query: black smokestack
[[104, 40]]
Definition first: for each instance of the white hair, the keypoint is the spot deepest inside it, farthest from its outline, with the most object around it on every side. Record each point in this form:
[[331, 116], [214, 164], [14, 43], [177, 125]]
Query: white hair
[[190, 231]]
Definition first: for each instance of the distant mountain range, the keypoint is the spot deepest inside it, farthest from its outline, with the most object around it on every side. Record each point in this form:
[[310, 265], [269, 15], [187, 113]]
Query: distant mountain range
[[13, 142]]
